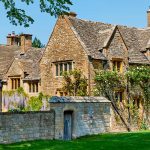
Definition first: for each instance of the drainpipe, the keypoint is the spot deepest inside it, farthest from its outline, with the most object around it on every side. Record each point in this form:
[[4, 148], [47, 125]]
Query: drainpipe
[[1, 95], [89, 75]]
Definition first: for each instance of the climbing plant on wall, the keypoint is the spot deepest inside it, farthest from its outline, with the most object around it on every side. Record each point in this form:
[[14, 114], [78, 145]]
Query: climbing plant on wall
[[107, 82], [139, 84], [75, 83], [136, 82]]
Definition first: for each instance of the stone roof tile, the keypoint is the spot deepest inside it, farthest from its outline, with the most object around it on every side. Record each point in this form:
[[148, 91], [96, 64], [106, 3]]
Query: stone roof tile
[[28, 61], [95, 36], [7, 55]]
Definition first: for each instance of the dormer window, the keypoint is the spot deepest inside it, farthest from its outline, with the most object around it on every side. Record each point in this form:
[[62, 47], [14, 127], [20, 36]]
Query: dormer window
[[117, 66], [15, 83], [147, 53]]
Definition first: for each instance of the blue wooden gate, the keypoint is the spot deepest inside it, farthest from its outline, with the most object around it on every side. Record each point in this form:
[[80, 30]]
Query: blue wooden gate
[[67, 125]]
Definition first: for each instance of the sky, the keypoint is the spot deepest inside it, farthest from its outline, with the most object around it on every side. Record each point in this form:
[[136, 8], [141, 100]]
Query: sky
[[123, 12]]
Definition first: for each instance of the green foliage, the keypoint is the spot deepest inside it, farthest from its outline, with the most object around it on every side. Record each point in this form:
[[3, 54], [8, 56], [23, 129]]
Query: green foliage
[[9, 93], [37, 43], [107, 82], [144, 126], [19, 91], [140, 76], [75, 84], [19, 16], [136, 81], [34, 104], [139, 84]]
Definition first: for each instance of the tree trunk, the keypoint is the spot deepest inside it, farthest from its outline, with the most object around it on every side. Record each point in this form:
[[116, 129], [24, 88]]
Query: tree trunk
[[122, 119], [110, 97]]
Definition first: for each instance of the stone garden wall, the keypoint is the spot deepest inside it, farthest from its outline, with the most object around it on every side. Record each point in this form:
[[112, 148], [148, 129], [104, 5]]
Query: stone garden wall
[[88, 118], [16, 127]]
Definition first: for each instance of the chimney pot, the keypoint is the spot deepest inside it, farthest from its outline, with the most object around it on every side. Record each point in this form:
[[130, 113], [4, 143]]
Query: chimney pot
[[13, 32]]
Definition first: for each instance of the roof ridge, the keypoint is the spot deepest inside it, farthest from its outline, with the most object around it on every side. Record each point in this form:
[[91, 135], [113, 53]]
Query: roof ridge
[[91, 21]]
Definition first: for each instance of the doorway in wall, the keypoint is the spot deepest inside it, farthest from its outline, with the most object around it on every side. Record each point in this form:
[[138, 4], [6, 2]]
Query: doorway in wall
[[68, 124]]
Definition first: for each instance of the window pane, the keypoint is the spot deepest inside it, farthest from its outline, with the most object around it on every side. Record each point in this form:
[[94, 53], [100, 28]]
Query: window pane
[[118, 66], [33, 85], [30, 87], [114, 66], [15, 83], [116, 96], [70, 66], [37, 87], [18, 83], [120, 96], [61, 69], [65, 67], [56, 69]]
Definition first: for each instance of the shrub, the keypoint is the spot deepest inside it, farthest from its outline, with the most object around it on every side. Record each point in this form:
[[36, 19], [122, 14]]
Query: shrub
[[34, 104]]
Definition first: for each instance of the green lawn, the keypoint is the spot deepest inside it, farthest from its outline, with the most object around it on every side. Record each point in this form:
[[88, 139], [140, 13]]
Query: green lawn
[[123, 141]]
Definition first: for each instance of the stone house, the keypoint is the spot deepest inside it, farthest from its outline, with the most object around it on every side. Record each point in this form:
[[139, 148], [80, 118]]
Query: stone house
[[88, 45], [19, 64], [74, 43]]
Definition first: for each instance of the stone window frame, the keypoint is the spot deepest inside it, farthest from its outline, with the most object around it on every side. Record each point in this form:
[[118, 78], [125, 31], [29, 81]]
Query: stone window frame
[[61, 66], [117, 65], [33, 87], [15, 82], [119, 95]]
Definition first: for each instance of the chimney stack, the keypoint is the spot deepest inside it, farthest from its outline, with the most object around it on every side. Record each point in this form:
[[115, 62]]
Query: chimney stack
[[148, 17], [13, 39], [26, 42], [72, 14]]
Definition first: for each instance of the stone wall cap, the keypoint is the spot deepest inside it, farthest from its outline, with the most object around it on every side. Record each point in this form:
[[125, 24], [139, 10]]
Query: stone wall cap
[[78, 99]]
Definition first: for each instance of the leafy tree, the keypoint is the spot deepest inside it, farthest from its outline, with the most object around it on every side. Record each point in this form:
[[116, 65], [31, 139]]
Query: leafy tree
[[106, 83], [19, 16], [37, 43], [75, 84]]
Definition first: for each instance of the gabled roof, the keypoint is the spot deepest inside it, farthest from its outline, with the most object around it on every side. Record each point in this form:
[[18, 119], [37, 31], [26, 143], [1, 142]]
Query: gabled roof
[[95, 36], [7, 55], [28, 62]]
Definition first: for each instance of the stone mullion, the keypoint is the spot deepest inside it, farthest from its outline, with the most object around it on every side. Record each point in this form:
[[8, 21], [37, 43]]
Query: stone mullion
[[16, 83], [67, 67], [63, 67], [72, 65], [14, 80]]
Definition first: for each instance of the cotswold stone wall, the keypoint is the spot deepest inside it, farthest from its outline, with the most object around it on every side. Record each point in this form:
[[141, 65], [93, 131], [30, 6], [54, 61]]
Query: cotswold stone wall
[[62, 46], [16, 127], [87, 118]]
